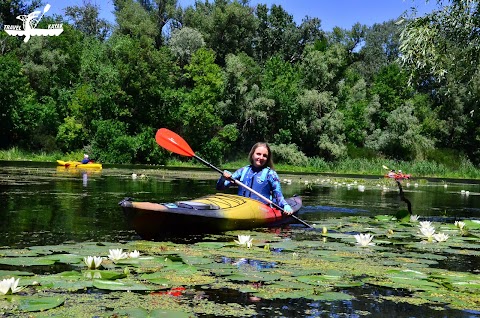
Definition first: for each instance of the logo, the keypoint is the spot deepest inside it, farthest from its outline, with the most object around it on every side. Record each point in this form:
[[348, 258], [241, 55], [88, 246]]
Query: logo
[[30, 22]]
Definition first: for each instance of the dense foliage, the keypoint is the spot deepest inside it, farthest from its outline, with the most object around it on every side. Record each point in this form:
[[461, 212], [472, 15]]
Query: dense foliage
[[224, 75]]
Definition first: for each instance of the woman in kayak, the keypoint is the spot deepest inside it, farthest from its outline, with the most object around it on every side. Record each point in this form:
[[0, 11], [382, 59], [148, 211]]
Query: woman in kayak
[[259, 176]]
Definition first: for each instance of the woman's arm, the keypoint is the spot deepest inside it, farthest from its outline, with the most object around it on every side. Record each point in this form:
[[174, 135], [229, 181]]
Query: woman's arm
[[224, 183], [277, 194]]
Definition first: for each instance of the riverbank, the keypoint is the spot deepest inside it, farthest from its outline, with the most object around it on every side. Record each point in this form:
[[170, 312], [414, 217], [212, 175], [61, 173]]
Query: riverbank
[[358, 166]]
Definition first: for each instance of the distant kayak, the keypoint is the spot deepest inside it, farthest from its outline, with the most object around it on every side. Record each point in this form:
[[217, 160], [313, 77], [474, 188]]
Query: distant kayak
[[212, 213], [79, 165]]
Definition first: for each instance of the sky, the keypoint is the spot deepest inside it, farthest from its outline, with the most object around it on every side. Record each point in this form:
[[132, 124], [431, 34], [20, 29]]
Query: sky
[[342, 13]]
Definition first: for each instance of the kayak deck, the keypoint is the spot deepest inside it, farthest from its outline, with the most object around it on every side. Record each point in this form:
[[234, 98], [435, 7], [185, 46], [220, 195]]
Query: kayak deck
[[212, 213]]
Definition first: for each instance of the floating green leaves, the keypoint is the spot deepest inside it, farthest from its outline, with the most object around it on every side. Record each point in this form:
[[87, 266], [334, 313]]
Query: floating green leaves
[[303, 264], [34, 303]]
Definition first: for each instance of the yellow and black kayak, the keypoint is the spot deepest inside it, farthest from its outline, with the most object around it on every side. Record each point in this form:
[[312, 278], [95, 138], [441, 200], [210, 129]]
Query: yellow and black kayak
[[212, 213], [79, 165]]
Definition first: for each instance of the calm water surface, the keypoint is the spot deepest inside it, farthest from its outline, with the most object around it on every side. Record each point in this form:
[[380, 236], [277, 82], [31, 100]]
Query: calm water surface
[[43, 204]]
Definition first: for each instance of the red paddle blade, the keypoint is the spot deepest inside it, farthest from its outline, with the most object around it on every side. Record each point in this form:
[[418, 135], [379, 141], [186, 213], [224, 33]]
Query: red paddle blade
[[173, 142]]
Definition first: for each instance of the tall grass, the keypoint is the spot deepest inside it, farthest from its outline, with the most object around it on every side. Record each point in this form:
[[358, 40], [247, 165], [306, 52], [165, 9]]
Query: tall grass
[[461, 168], [16, 154]]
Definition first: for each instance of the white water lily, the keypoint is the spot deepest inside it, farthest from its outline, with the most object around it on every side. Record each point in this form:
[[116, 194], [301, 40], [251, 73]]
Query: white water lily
[[414, 218], [134, 254], [440, 237], [426, 224], [244, 240], [10, 286], [117, 254], [428, 232], [93, 262], [460, 224], [364, 239]]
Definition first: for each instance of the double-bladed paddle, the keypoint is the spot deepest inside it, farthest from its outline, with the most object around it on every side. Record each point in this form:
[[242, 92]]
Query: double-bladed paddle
[[174, 143]]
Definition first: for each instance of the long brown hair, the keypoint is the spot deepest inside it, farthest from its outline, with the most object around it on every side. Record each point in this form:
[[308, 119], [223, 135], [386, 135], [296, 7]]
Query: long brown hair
[[269, 161]]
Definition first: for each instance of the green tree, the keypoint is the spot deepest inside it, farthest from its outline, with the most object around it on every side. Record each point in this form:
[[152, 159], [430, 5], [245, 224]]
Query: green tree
[[353, 103], [321, 125], [134, 21], [227, 26], [321, 70], [278, 34], [199, 111], [184, 42], [441, 52], [86, 19], [402, 137], [381, 48], [13, 87], [241, 90], [162, 13], [391, 86], [145, 86], [280, 83]]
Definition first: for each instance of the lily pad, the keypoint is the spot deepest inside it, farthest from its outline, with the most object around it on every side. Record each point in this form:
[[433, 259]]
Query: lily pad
[[36, 303], [26, 261], [254, 277], [7, 274], [121, 285]]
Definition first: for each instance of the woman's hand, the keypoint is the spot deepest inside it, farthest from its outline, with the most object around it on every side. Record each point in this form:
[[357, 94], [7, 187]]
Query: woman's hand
[[227, 174], [288, 209]]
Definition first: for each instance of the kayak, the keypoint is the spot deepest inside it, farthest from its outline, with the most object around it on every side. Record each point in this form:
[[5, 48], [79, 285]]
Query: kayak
[[79, 165], [398, 176], [212, 213]]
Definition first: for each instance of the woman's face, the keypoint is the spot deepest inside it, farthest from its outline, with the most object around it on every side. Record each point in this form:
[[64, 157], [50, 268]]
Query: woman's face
[[260, 156]]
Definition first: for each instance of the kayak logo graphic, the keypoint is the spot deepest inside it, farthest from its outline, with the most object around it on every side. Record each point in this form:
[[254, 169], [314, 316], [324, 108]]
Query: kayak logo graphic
[[30, 22]]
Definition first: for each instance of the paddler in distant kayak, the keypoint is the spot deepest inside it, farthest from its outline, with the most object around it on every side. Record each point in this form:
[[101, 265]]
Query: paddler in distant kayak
[[259, 176], [85, 159]]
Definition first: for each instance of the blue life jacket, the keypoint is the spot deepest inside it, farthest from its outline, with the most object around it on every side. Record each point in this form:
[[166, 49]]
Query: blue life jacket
[[258, 181]]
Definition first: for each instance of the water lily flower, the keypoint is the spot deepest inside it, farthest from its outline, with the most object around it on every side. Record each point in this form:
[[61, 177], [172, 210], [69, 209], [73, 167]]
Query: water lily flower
[[134, 254], [93, 262], [460, 224], [428, 232], [244, 240], [414, 218], [364, 239], [440, 237], [117, 254], [426, 224], [10, 286]]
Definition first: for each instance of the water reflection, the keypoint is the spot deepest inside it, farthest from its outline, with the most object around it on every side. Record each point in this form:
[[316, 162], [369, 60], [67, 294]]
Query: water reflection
[[53, 204], [44, 205]]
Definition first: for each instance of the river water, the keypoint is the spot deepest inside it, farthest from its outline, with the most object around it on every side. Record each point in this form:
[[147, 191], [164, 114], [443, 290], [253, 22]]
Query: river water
[[53, 204], [43, 204]]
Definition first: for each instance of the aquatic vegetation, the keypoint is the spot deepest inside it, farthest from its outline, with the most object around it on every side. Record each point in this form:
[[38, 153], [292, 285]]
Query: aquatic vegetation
[[93, 262], [10, 286], [117, 254], [414, 218], [428, 232], [460, 224], [300, 264], [364, 239], [426, 224], [134, 254], [244, 240], [440, 237]]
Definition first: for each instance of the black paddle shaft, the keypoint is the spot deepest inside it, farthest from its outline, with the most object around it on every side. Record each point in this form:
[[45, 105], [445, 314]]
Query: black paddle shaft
[[251, 190]]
